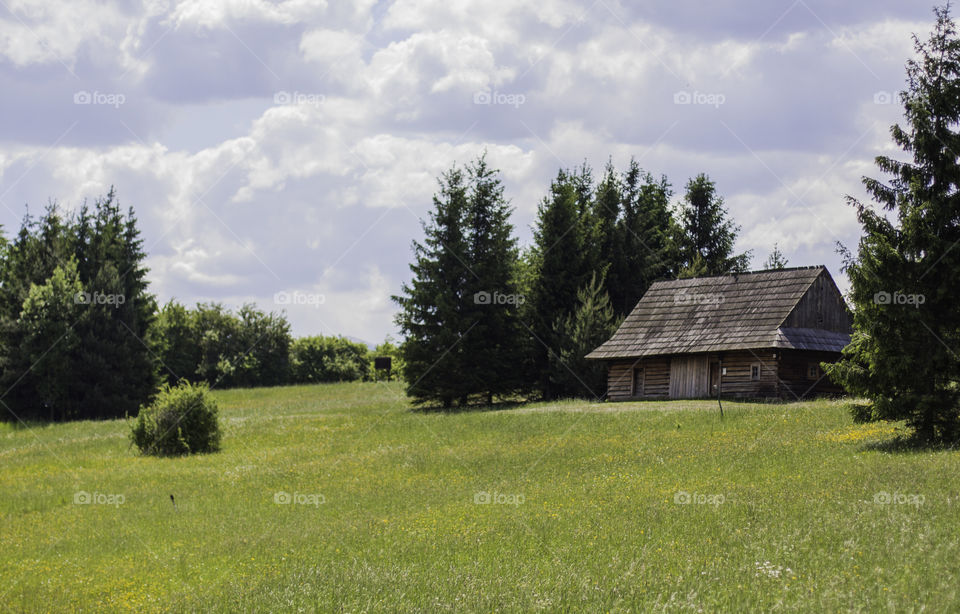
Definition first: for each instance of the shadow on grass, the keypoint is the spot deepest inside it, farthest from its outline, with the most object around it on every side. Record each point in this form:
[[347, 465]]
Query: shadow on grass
[[908, 444], [472, 407]]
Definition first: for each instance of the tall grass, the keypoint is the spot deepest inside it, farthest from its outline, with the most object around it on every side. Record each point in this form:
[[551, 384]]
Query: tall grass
[[340, 498]]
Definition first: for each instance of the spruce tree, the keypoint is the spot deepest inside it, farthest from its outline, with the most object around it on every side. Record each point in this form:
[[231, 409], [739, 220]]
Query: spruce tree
[[492, 351], [579, 333], [117, 363], [905, 277], [562, 267], [643, 241], [776, 260], [431, 315], [708, 232]]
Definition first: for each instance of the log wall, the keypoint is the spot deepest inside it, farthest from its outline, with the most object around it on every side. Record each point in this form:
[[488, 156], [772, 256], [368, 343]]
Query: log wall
[[781, 374]]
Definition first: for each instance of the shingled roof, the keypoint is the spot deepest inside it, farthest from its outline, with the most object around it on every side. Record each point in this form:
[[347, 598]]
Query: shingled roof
[[729, 312]]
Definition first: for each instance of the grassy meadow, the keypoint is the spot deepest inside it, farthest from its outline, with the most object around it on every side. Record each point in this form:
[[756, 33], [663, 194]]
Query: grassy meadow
[[339, 498]]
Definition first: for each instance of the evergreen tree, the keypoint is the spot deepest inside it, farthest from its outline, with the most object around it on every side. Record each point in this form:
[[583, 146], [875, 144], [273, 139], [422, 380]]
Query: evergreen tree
[[116, 360], [644, 249], [431, 314], [562, 267], [905, 277], [776, 260], [707, 231], [493, 349], [30, 260], [111, 365], [600, 227], [578, 334]]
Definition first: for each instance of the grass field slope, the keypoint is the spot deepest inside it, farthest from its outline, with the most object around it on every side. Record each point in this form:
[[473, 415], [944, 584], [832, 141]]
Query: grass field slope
[[340, 498]]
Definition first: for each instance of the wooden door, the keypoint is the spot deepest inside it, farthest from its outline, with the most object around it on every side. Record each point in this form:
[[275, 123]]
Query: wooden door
[[689, 377]]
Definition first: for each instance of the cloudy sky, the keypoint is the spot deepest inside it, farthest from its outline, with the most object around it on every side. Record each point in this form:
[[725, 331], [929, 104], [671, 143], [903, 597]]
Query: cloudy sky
[[292, 146]]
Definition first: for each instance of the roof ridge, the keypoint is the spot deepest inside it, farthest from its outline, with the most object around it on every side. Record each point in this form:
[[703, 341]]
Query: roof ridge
[[789, 268]]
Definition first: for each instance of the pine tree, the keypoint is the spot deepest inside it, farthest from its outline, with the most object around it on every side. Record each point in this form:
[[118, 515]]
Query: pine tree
[[492, 349], [905, 277], [117, 363], [562, 267], [776, 260], [431, 315], [644, 250], [707, 231], [601, 225], [578, 334]]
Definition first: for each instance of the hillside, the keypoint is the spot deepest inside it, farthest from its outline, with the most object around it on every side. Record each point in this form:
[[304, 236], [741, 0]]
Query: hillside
[[338, 497]]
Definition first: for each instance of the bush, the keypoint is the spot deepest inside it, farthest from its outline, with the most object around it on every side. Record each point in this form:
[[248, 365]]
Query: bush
[[328, 359], [181, 420]]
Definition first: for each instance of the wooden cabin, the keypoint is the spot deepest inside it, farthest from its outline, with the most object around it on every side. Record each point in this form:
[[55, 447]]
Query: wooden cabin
[[752, 335]]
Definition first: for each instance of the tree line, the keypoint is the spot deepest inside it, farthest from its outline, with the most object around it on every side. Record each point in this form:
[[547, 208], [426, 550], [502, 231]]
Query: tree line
[[600, 242], [484, 319], [82, 337]]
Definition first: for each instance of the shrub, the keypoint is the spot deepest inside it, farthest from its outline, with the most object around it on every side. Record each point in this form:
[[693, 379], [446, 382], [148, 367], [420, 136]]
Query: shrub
[[328, 359], [181, 420]]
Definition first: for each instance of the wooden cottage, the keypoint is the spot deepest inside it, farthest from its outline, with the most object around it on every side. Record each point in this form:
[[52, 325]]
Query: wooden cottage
[[760, 334]]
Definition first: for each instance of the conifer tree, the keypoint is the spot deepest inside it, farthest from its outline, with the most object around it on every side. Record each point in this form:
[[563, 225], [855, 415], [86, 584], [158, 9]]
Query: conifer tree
[[776, 260], [905, 276], [708, 232], [562, 267], [431, 315], [494, 350]]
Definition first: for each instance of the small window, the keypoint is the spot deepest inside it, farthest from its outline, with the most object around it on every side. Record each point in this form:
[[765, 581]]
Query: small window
[[813, 370], [755, 371]]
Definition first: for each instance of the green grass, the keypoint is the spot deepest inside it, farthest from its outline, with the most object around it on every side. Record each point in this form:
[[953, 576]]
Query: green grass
[[595, 526]]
